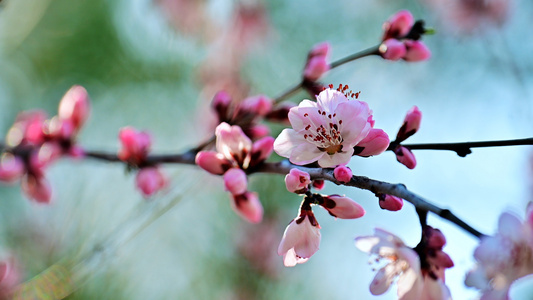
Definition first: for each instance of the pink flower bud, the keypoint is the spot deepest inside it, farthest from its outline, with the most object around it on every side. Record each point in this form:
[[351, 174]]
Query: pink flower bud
[[416, 51], [342, 173], [398, 25], [392, 49], [220, 104], [390, 202], [262, 149], [74, 106], [11, 167], [317, 62], [213, 162], [376, 142], [301, 239], [281, 112], [257, 105], [343, 207], [410, 125], [405, 157], [135, 145], [435, 238], [36, 188], [235, 181], [441, 259], [318, 184], [76, 152], [297, 181], [248, 206], [150, 180]]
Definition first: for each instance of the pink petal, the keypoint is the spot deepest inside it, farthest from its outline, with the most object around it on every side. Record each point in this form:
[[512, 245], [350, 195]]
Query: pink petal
[[213, 162], [390, 202], [235, 181], [375, 142], [233, 143], [416, 51], [383, 279], [37, 188], [405, 157], [410, 285], [11, 167], [339, 158], [248, 207], [399, 24], [329, 99], [262, 149], [150, 180], [258, 105], [355, 126]]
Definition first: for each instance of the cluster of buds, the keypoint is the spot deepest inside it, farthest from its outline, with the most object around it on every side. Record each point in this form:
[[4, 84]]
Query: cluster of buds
[[33, 142], [401, 38], [410, 126], [247, 113], [235, 155], [301, 238], [134, 151]]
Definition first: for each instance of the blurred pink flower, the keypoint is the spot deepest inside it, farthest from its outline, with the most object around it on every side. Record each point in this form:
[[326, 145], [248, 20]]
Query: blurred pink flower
[[74, 107], [325, 131], [135, 145], [150, 180], [297, 181], [504, 257], [235, 181], [317, 62], [248, 206]]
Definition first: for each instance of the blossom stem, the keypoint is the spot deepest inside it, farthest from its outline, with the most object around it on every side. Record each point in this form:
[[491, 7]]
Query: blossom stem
[[463, 149]]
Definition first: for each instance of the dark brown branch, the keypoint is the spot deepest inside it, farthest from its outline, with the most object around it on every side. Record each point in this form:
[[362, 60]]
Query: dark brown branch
[[463, 149]]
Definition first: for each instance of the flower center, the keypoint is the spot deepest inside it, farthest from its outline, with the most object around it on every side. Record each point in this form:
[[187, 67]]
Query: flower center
[[326, 135]]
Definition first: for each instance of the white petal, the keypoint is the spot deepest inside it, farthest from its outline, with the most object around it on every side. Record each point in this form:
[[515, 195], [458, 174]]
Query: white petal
[[286, 141], [382, 280], [510, 226], [306, 153], [410, 285], [329, 161]]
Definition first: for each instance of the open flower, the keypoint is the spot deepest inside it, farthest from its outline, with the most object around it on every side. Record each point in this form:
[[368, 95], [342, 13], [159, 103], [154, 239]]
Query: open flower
[[301, 238], [503, 257], [325, 131], [413, 283]]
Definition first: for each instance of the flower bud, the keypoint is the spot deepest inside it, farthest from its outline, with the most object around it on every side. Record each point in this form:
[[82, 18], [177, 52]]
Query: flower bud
[[150, 180], [317, 62], [220, 104], [410, 125], [342, 207], [318, 184], [392, 49], [297, 181], [398, 25], [248, 206], [390, 202], [213, 162], [416, 51], [74, 106], [405, 157], [257, 105], [376, 142], [342, 173], [235, 181], [135, 145], [37, 188]]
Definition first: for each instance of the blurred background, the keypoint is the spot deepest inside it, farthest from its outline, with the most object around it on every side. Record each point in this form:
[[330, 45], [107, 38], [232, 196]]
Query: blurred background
[[156, 64]]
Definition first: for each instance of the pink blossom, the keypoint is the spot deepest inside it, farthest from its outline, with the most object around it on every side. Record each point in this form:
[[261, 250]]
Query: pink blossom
[[317, 62], [318, 184], [234, 149], [503, 258], [376, 142], [74, 107], [150, 180], [11, 167], [221, 105], [301, 239], [10, 277], [405, 157], [235, 181], [325, 131], [405, 264], [297, 181], [342, 207], [390, 202], [248, 206], [135, 145], [343, 173]]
